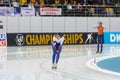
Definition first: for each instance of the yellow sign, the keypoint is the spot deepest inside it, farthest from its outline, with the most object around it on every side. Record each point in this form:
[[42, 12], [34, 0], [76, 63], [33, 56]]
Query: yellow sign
[[35, 39], [39, 39], [73, 38]]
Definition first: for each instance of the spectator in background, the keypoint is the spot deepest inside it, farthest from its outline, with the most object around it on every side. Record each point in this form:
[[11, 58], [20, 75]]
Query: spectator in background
[[75, 2], [69, 1], [90, 2], [17, 10], [108, 1], [57, 2], [103, 3], [1, 2], [7, 3], [33, 1], [15, 4], [28, 1], [41, 1], [85, 3], [62, 2], [65, 2], [69, 6], [11, 1], [22, 2], [118, 2], [81, 1], [69, 9], [37, 9], [30, 5], [79, 7], [38, 1], [47, 1], [96, 2], [52, 1], [42, 5], [79, 10]]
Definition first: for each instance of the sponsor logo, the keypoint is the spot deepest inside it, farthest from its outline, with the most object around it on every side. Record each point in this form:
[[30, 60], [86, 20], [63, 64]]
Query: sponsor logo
[[89, 38], [20, 40], [2, 40], [2, 43], [114, 37]]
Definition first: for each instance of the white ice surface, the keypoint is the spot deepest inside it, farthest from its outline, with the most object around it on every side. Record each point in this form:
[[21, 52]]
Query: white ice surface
[[34, 63]]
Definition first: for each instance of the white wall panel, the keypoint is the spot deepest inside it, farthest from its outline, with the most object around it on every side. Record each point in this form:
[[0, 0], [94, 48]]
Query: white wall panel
[[59, 24], [36, 25], [24, 24], [91, 23], [13, 24], [81, 24], [70, 24], [115, 24], [4, 23], [47, 24]]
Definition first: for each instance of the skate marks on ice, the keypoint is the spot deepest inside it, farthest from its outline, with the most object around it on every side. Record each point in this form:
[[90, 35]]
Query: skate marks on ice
[[61, 73]]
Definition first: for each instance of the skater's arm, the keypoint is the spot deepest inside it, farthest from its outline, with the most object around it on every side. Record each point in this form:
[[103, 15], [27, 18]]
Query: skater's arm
[[62, 40], [54, 40]]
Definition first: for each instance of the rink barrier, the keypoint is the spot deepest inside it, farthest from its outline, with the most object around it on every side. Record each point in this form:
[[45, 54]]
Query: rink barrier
[[36, 39]]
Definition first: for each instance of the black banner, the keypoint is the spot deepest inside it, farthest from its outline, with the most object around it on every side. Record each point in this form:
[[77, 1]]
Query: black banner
[[34, 39]]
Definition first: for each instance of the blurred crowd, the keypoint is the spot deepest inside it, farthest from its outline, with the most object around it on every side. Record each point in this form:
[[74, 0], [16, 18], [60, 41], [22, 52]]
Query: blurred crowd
[[41, 3], [70, 7]]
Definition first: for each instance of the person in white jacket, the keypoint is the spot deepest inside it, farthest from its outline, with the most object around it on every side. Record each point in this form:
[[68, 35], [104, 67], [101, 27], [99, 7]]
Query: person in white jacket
[[57, 48]]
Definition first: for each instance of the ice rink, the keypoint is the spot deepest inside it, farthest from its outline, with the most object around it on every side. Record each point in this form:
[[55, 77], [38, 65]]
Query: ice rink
[[34, 63]]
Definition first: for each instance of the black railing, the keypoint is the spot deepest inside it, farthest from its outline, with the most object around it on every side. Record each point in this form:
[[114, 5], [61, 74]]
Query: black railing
[[95, 11], [83, 11]]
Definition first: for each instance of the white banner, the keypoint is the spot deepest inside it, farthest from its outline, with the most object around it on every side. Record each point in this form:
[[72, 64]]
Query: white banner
[[3, 11], [50, 11], [6, 11], [25, 11], [10, 11]]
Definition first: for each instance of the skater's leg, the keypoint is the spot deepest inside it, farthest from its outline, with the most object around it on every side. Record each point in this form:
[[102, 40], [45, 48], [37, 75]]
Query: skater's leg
[[97, 48], [53, 57], [101, 48], [98, 42], [53, 60], [101, 43], [57, 57], [54, 54]]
